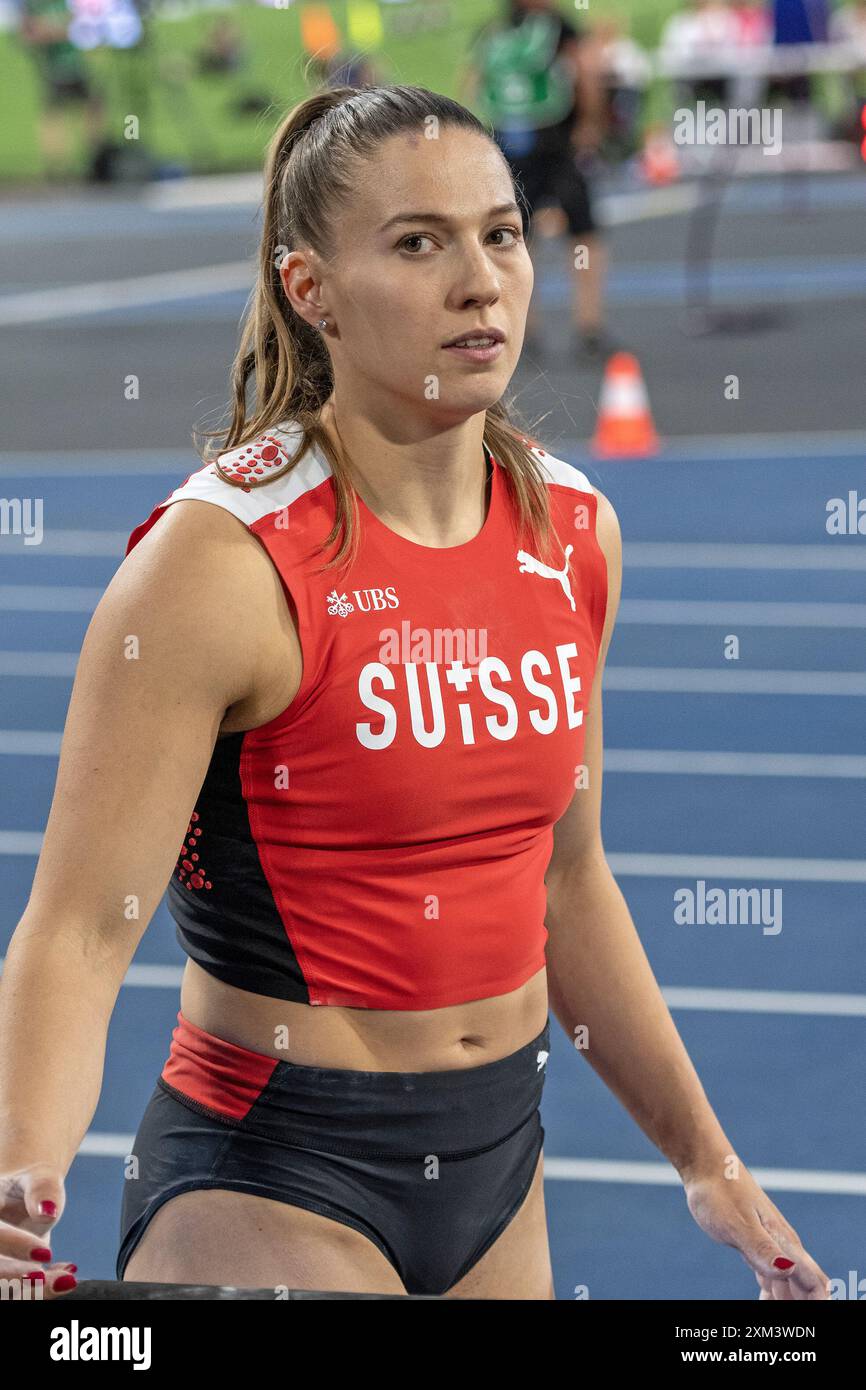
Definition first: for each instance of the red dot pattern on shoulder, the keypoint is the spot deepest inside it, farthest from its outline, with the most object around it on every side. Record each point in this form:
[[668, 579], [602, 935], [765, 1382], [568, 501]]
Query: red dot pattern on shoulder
[[254, 461], [188, 867]]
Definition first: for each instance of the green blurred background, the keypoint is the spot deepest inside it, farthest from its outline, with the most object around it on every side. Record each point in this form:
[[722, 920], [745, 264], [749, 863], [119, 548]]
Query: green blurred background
[[193, 120]]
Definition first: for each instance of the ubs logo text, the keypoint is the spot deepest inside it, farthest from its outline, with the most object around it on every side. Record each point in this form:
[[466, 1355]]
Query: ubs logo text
[[373, 600]]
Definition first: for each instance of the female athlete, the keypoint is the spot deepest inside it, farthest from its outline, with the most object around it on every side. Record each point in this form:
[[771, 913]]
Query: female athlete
[[356, 677]]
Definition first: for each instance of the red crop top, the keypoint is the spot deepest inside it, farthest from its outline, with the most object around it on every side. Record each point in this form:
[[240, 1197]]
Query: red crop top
[[382, 843]]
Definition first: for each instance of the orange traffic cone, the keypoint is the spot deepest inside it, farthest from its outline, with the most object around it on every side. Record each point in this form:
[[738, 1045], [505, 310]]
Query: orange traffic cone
[[625, 426], [659, 163]]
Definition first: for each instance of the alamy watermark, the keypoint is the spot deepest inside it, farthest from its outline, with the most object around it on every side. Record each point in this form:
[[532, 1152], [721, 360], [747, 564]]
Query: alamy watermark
[[736, 126], [729, 907], [22, 516]]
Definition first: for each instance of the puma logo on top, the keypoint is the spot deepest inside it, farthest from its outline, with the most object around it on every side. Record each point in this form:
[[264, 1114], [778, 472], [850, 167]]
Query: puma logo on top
[[530, 565]]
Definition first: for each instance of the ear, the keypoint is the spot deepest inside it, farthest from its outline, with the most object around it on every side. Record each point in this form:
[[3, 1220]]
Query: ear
[[301, 285]]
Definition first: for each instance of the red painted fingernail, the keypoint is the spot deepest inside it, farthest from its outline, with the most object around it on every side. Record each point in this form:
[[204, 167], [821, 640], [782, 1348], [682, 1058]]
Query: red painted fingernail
[[47, 1208], [40, 1253], [72, 1268], [783, 1264], [34, 1274], [64, 1283]]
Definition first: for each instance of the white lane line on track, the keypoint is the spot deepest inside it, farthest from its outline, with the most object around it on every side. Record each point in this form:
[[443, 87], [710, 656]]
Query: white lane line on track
[[56, 598], [664, 1175], [703, 612], [245, 190], [21, 743], [99, 462], [104, 1144], [631, 679], [72, 301], [68, 541], [765, 1001], [681, 762], [744, 867], [24, 842], [711, 448], [650, 761], [748, 1001], [636, 554], [699, 681], [121, 462], [741, 556], [38, 663], [748, 867], [49, 598]]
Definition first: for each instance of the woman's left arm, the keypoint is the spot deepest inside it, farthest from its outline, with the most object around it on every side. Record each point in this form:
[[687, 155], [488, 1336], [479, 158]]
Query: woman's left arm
[[605, 996]]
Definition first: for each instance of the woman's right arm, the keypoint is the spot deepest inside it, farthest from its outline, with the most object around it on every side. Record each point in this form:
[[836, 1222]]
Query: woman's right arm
[[185, 629]]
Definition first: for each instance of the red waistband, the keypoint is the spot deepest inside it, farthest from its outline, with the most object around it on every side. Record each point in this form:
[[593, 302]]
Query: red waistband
[[215, 1073]]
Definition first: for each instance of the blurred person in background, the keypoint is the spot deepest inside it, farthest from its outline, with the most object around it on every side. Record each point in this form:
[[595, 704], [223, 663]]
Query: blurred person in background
[[625, 73], [223, 51], [753, 31], [691, 40], [538, 80], [753, 23], [66, 86], [848, 26], [797, 22], [351, 70], [224, 59]]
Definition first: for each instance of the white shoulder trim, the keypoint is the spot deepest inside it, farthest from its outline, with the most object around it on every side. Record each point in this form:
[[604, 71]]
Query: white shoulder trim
[[559, 471], [272, 449]]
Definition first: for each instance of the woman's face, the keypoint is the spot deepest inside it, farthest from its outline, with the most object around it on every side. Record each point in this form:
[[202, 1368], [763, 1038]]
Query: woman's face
[[430, 248]]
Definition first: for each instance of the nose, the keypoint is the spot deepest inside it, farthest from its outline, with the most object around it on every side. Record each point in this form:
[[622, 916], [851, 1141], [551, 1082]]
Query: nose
[[477, 280]]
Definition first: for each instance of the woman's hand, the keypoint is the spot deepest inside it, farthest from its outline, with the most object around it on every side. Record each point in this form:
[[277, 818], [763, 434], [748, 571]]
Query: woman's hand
[[31, 1202], [737, 1212]]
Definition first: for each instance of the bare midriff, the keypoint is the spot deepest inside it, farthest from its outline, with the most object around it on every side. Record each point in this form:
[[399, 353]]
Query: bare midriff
[[461, 1035]]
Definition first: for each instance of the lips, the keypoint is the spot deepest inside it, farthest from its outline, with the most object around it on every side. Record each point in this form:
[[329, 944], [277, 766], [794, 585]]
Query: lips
[[477, 337]]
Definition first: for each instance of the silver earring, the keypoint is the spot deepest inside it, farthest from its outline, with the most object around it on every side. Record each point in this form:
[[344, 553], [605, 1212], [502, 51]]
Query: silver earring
[[323, 323]]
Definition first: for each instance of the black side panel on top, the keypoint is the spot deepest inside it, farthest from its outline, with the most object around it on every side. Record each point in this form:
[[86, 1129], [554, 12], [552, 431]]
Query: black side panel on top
[[227, 919]]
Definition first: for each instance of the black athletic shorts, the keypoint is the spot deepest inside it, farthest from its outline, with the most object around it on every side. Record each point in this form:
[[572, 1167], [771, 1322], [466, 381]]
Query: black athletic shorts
[[430, 1166], [544, 166]]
